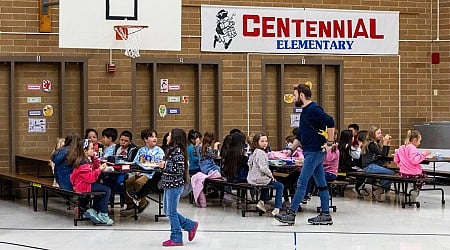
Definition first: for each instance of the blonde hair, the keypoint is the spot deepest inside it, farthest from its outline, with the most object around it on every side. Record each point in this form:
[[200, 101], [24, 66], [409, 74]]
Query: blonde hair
[[371, 137], [59, 143], [411, 135]]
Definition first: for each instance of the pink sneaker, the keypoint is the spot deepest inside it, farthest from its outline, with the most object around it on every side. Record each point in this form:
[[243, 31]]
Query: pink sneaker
[[170, 243], [191, 234]]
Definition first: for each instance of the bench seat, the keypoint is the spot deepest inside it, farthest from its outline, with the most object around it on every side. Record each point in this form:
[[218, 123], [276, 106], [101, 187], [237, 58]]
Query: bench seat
[[46, 185], [402, 184], [242, 188]]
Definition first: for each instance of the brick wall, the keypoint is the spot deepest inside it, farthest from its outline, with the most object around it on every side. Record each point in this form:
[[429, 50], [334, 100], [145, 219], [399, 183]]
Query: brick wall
[[390, 91]]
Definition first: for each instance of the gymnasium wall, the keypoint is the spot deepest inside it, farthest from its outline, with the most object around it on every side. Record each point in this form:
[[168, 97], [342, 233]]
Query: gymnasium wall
[[393, 92]]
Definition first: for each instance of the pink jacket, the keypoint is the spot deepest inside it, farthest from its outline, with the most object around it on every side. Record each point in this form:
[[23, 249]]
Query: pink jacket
[[83, 176], [197, 181], [408, 159], [331, 162]]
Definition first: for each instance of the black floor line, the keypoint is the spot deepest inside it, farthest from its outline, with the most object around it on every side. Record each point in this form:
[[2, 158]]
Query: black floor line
[[233, 231], [21, 245]]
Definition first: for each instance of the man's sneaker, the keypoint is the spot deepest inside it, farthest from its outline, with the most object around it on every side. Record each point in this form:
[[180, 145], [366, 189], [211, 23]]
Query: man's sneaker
[[321, 219], [287, 217], [140, 209], [92, 214], [286, 205], [260, 206], [104, 217], [275, 211], [133, 196]]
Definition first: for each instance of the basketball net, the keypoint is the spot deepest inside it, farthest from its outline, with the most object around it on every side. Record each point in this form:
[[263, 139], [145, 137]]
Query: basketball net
[[132, 37]]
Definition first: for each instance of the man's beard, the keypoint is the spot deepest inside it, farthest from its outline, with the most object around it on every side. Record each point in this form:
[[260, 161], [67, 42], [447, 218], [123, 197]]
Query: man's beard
[[299, 103]]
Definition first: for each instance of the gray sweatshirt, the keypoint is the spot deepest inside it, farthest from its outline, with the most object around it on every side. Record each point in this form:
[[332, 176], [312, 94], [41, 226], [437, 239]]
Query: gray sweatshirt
[[259, 172]]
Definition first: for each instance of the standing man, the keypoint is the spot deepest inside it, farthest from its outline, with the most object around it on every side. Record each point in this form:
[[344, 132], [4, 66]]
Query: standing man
[[316, 134]]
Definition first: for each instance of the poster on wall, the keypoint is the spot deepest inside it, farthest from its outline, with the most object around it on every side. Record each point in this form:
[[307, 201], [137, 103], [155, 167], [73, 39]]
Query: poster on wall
[[47, 86], [295, 120], [162, 110], [164, 85], [185, 99], [37, 125]]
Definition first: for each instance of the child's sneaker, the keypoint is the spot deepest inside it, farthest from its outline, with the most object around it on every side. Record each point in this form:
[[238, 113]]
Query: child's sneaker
[[260, 206], [141, 208], [104, 217], [275, 211], [191, 234], [133, 196], [321, 219], [92, 214], [170, 243]]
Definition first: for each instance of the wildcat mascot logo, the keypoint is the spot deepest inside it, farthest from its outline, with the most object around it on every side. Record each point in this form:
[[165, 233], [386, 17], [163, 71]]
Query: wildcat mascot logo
[[225, 29]]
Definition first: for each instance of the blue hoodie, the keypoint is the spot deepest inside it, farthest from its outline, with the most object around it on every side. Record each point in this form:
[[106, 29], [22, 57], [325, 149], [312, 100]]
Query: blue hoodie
[[312, 119]]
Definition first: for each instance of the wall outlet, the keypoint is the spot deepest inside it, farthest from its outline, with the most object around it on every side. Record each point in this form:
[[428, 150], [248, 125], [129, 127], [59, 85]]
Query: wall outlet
[[435, 92]]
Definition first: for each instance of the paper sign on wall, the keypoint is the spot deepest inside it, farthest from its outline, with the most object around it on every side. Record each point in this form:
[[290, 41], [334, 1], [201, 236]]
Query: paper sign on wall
[[34, 99], [173, 111], [297, 110], [33, 87], [35, 112], [37, 125], [174, 87], [185, 99], [173, 99]]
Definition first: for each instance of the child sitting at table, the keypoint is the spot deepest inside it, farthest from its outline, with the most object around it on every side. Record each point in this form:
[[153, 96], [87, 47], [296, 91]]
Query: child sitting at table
[[86, 170], [59, 144], [374, 149], [92, 135], [138, 185], [209, 151], [194, 139], [408, 160], [260, 174]]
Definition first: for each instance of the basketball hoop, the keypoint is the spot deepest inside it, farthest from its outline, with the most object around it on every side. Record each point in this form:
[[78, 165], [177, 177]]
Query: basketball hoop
[[132, 36]]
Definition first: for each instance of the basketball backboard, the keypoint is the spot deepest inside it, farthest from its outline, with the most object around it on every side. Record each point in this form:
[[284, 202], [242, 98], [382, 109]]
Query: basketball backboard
[[90, 23]]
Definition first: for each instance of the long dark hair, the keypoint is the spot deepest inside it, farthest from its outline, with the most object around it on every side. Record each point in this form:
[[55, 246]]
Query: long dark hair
[[345, 147], [232, 159], [178, 139]]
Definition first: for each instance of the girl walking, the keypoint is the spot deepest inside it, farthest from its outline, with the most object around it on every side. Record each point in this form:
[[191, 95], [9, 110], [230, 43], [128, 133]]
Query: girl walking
[[175, 175]]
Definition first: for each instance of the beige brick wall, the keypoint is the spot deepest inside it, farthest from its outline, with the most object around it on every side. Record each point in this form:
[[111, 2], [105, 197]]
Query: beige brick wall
[[371, 84]]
